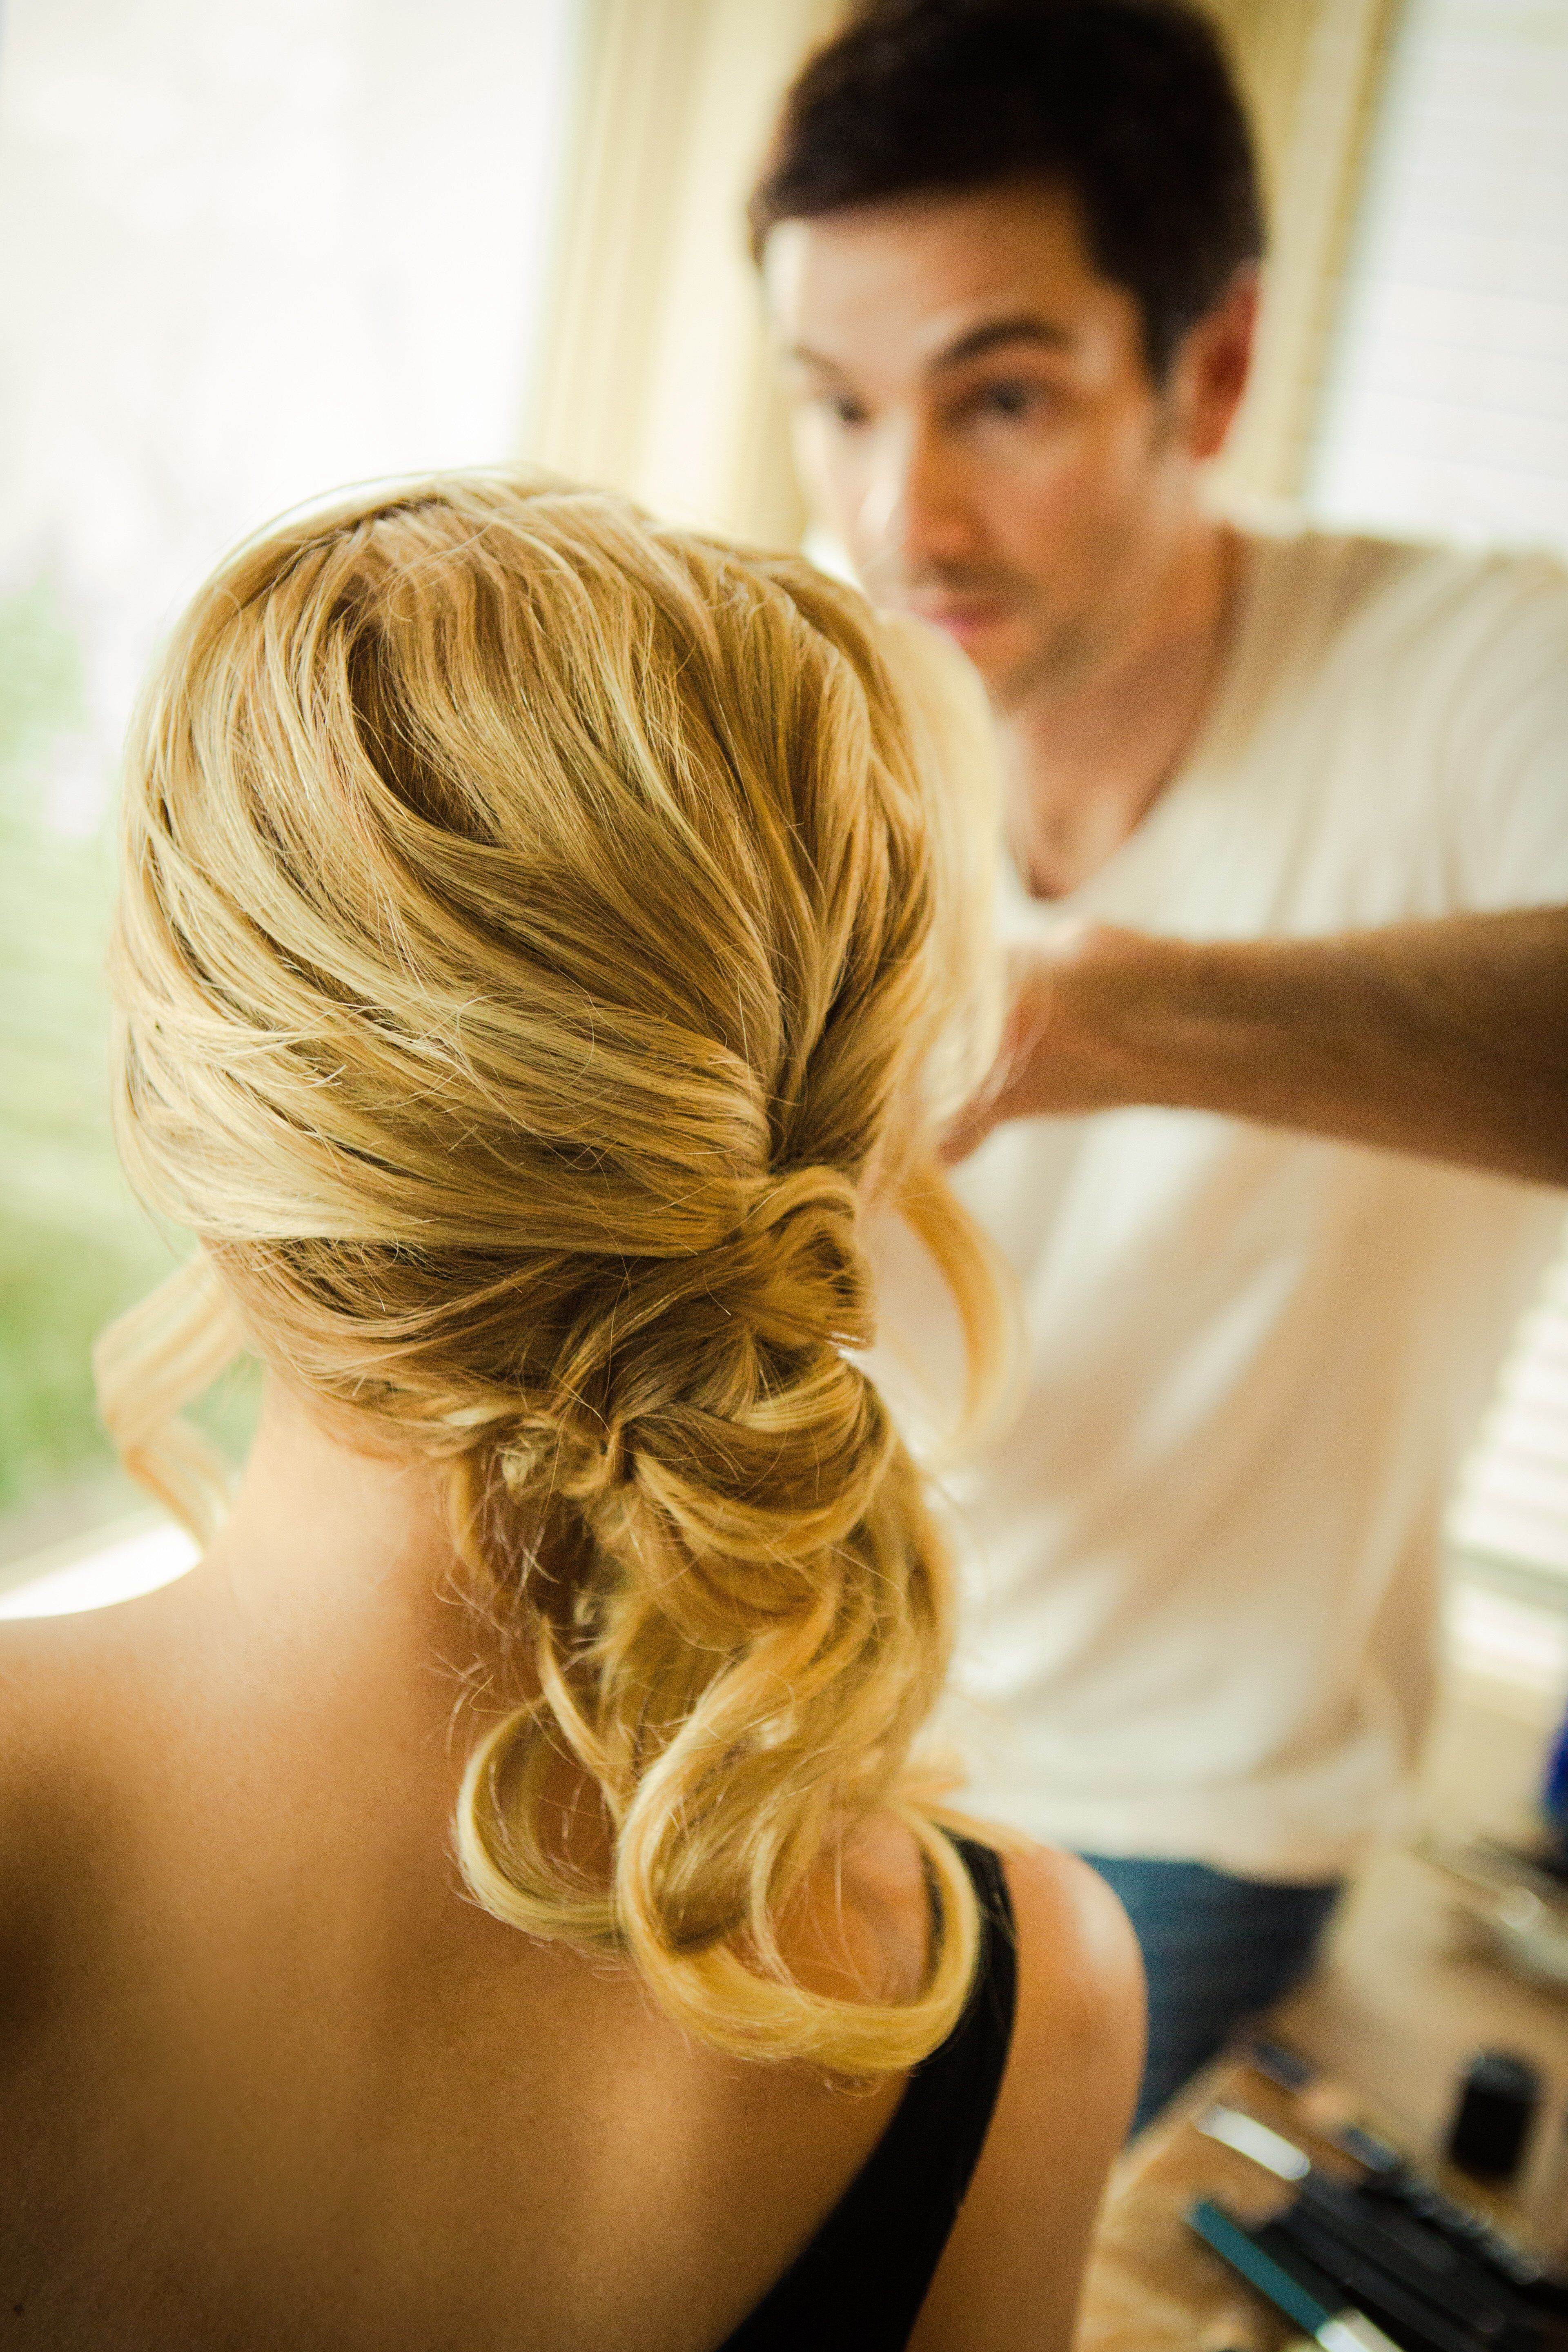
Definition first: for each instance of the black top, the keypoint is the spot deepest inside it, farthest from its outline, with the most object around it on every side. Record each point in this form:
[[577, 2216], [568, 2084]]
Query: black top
[[859, 2284]]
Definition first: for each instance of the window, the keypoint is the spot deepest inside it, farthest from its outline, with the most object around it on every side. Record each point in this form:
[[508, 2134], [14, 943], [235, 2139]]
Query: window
[[1447, 415], [1446, 412], [1513, 1502], [249, 252]]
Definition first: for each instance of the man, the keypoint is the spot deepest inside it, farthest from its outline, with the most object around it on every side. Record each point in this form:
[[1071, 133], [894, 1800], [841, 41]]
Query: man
[[1274, 1153]]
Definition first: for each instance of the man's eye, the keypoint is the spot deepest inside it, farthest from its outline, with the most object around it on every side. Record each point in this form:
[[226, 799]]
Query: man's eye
[[843, 410], [1010, 399]]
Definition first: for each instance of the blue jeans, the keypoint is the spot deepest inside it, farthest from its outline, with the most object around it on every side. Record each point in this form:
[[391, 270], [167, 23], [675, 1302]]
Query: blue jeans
[[1216, 1949]]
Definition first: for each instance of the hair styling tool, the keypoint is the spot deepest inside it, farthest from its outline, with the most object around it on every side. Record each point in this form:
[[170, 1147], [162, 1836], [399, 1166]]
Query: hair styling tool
[[1414, 2281], [1291, 2287], [1397, 2185]]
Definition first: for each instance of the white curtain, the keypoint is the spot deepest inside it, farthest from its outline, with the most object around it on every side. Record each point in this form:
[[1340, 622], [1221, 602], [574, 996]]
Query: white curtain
[[1313, 73], [657, 376]]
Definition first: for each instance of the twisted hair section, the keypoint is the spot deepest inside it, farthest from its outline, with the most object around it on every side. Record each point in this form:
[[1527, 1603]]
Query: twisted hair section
[[543, 934]]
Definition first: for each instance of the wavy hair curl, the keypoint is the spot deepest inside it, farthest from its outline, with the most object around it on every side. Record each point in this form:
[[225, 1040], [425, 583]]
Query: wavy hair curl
[[543, 935]]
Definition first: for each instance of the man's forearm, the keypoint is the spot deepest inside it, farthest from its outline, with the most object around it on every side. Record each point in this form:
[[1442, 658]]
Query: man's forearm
[[1449, 1039]]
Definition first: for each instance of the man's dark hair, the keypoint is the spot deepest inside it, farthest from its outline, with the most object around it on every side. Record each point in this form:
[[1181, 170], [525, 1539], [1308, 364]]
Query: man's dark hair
[[1128, 104]]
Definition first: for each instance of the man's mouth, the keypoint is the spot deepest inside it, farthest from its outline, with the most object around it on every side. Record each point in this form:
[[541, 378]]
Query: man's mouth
[[964, 618]]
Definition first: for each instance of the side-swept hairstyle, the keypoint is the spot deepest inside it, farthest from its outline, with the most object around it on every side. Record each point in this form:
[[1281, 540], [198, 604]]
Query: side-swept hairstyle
[[1128, 104], [543, 935]]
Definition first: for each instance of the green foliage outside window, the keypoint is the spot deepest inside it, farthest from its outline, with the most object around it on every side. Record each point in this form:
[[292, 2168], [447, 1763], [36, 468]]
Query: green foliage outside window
[[75, 1248]]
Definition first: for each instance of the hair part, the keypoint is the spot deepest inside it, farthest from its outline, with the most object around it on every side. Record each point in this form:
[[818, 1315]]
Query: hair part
[[1129, 106], [540, 930]]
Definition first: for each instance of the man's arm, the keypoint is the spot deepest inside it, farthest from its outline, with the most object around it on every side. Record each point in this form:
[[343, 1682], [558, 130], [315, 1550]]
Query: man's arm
[[1449, 1039]]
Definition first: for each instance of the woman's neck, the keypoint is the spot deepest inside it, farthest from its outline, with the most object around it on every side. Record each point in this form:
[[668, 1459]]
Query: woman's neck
[[334, 1589], [319, 1524]]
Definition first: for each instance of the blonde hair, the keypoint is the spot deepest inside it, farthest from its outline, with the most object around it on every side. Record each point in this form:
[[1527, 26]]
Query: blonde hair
[[540, 933]]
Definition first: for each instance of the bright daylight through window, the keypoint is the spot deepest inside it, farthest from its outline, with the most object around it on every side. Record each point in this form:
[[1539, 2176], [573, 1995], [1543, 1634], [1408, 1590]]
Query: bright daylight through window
[[1447, 416], [249, 254]]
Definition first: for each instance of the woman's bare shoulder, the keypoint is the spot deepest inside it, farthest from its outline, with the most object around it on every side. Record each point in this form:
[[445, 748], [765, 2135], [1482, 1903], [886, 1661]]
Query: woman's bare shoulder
[[1076, 2054], [51, 1670], [60, 1704], [39, 1665], [1078, 1961], [1009, 2279]]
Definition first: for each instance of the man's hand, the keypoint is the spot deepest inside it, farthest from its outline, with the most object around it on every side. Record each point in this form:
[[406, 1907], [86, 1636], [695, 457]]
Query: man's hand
[[1076, 995], [1449, 1039]]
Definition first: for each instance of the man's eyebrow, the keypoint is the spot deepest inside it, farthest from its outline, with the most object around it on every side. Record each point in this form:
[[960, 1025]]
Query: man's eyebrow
[[972, 346], [801, 356], [981, 339]]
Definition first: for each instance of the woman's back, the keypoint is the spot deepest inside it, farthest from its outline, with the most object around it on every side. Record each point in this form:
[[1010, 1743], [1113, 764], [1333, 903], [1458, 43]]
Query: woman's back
[[455, 1912], [270, 2079]]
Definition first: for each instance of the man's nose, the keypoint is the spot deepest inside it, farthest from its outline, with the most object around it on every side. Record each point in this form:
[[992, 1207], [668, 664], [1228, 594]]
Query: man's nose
[[917, 506]]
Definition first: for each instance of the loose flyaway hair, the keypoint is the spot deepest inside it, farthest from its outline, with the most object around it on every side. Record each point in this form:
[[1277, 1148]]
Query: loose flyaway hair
[[545, 937]]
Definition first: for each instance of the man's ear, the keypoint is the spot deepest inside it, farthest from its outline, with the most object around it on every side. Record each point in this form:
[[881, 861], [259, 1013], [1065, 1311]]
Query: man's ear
[[1211, 368]]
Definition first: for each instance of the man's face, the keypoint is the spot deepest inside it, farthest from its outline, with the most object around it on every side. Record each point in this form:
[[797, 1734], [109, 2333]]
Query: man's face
[[976, 424]]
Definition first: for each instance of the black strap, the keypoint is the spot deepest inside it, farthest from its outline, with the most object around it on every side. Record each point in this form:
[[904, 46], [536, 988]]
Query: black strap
[[859, 2286]]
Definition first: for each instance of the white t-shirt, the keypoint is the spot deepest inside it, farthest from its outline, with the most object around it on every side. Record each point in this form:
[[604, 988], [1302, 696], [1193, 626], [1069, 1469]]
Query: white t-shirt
[[1200, 1567]]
